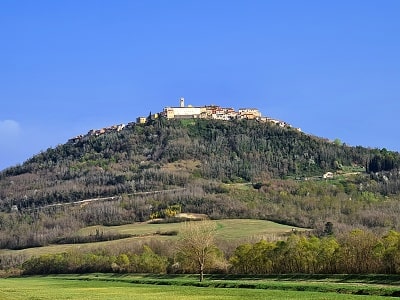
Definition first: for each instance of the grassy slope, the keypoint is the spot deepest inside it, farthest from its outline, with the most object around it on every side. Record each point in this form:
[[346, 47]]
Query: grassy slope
[[227, 229], [134, 287], [230, 229]]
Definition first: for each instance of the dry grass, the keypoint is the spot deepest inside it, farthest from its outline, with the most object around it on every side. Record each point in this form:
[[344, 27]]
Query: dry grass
[[182, 165]]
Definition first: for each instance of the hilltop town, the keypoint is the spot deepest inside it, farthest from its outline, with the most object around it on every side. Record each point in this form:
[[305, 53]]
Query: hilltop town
[[214, 112]]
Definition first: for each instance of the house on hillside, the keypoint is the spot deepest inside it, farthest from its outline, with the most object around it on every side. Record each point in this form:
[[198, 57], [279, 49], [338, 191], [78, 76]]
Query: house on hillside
[[141, 120], [327, 175], [249, 113]]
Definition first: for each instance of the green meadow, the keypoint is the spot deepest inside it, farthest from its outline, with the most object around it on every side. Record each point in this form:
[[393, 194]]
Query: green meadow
[[227, 229], [121, 287]]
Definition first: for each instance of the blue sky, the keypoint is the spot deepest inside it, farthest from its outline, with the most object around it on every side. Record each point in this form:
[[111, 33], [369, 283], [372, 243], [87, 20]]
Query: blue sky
[[331, 68]]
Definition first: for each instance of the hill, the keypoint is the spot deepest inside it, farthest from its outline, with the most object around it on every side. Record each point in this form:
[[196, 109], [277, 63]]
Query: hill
[[224, 169], [140, 159]]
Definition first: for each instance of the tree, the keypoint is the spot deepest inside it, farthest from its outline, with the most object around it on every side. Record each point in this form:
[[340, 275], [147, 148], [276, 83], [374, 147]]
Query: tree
[[391, 252], [197, 243], [328, 230], [337, 142], [359, 252]]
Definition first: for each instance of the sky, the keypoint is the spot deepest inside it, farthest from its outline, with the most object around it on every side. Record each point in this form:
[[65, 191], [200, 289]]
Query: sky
[[331, 68]]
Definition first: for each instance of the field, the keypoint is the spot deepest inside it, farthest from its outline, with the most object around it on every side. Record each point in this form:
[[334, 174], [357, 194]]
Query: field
[[100, 286], [229, 229]]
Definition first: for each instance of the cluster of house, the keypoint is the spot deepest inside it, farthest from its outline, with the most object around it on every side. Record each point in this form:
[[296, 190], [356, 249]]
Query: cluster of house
[[209, 112], [192, 112], [97, 132], [204, 112]]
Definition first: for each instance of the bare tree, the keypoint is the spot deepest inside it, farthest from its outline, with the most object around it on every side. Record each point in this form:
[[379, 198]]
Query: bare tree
[[197, 243]]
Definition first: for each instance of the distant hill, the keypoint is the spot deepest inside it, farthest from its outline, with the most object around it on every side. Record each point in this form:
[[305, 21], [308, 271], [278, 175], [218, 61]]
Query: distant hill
[[137, 159], [238, 168]]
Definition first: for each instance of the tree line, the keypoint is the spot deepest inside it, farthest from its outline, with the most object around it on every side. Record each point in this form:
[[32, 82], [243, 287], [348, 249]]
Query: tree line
[[356, 252]]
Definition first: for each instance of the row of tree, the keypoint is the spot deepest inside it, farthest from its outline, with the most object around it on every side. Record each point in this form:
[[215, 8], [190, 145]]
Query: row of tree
[[358, 252], [78, 263], [383, 161], [197, 251]]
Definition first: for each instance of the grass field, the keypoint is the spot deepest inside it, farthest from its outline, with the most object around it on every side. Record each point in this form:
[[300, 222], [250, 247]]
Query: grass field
[[101, 287], [229, 229]]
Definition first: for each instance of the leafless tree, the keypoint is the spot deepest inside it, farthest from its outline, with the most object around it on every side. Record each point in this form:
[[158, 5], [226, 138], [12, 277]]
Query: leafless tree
[[197, 243]]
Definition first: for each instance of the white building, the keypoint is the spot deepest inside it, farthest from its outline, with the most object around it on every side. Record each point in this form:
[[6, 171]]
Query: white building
[[249, 113], [183, 112]]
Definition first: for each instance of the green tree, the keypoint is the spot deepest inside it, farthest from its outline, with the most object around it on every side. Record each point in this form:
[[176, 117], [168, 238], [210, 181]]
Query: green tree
[[326, 256], [337, 142], [358, 252], [328, 230], [122, 262], [241, 261], [391, 252]]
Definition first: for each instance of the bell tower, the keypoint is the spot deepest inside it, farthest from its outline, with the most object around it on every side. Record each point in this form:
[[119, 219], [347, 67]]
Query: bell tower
[[182, 102]]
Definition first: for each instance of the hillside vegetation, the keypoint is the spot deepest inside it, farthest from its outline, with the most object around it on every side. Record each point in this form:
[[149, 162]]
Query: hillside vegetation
[[131, 160], [236, 169]]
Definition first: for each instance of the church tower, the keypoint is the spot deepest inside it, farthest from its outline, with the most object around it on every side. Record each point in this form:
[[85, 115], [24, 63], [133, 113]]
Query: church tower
[[182, 102]]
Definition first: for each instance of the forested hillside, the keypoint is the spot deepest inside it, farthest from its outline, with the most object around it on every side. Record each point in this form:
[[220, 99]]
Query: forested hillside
[[132, 160], [239, 168]]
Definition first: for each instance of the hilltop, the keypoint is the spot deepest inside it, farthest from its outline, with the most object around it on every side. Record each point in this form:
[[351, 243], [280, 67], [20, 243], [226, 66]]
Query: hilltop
[[190, 112], [242, 168]]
